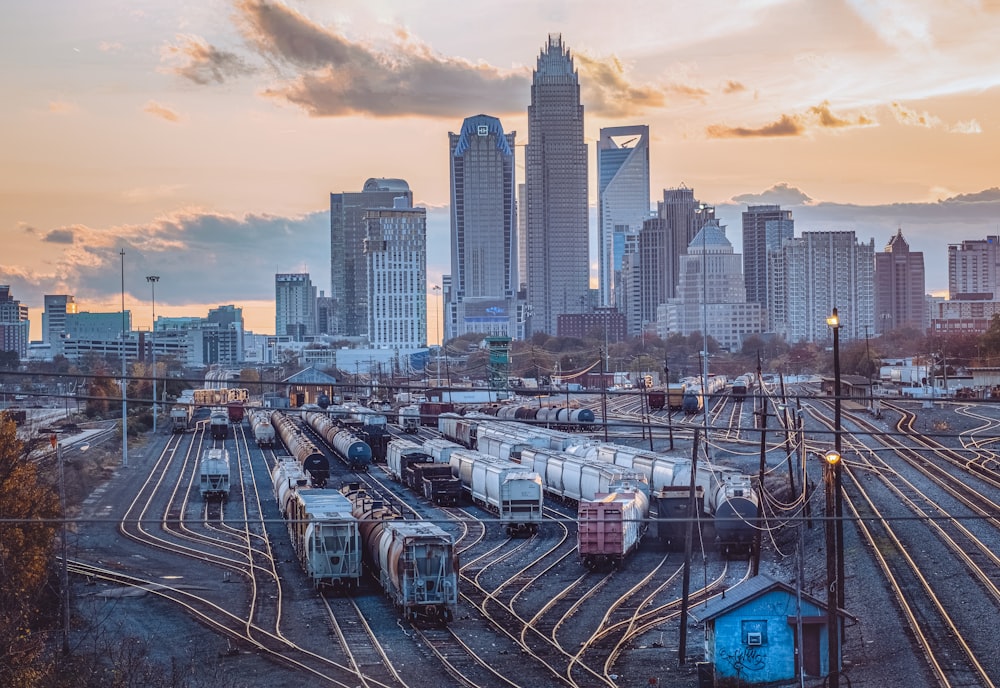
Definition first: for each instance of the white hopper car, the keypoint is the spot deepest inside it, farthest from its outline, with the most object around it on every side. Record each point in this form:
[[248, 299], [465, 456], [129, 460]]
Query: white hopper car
[[325, 537], [213, 474], [508, 489]]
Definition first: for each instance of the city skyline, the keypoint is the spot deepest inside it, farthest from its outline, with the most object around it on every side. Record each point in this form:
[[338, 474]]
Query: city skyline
[[205, 141]]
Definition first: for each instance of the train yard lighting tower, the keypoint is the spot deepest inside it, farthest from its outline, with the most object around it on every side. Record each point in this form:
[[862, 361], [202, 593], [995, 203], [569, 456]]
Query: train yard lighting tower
[[832, 609], [153, 279]]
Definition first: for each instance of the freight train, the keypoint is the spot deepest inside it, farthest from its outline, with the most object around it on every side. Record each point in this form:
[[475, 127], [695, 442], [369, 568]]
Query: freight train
[[728, 496], [556, 416], [218, 421], [322, 528], [314, 462], [415, 562], [213, 474], [742, 386], [610, 527], [347, 446], [414, 466], [180, 417], [511, 491]]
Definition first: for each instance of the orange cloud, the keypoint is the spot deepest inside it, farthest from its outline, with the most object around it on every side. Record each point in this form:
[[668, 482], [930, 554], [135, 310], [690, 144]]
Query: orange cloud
[[202, 63], [162, 111], [819, 116]]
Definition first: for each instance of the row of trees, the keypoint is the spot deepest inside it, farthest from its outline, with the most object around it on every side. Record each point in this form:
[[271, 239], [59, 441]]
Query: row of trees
[[543, 355]]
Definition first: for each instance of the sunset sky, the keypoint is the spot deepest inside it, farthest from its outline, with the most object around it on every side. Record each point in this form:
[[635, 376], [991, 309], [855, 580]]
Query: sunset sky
[[204, 138]]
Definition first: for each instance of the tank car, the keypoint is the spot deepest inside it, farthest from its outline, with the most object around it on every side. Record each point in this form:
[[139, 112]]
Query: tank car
[[312, 460], [693, 401], [610, 527], [414, 562], [509, 490], [218, 421], [263, 431], [352, 450], [213, 474]]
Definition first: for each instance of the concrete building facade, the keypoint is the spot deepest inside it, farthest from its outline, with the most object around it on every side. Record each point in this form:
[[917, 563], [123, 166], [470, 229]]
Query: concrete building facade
[[294, 305], [900, 296]]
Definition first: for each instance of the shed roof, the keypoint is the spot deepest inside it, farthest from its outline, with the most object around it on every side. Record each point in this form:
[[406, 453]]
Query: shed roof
[[310, 376], [748, 590]]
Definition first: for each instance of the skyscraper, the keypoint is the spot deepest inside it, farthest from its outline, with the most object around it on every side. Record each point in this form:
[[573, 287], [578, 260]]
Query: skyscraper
[[684, 216], [765, 227], [294, 306], [348, 268], [483, 283], [395, 249], [900, 299], [623, 200], [555, 173]]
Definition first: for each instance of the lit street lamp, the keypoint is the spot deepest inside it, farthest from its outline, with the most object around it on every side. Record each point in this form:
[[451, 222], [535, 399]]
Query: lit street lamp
[[153, 279], [832, 609]]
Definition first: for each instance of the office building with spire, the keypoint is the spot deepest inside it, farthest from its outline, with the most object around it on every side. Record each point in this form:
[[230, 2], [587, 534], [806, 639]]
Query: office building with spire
[[557, 237]]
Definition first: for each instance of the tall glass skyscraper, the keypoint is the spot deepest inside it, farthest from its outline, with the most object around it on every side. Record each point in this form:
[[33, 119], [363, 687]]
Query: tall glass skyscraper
[[483, 283], [623, 199], [555, 173]]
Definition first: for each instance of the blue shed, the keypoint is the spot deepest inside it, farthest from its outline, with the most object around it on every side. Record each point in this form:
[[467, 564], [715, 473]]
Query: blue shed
[[750, 632]]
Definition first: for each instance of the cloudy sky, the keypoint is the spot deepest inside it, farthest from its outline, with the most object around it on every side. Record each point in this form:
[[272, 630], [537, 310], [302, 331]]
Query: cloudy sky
[[203, 137]]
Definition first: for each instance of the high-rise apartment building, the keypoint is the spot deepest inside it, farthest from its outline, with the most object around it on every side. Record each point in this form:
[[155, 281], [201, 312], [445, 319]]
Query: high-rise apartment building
[[555, 172], [900, 298], [815, 273], [294, 306], [684, 215], [348, 267], [765, 228], [973, 269], [15, 328], [483, 286], [396, 252], [623, 200]]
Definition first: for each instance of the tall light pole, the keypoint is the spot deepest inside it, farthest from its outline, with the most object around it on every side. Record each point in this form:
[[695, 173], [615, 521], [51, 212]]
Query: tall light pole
[[834, 322], [124, 372], [64, 569], [153, 279], [832, 610]]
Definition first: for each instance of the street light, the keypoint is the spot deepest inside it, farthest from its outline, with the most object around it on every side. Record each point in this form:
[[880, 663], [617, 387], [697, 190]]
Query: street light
[[124, 372], [153, 279], [832, 633]]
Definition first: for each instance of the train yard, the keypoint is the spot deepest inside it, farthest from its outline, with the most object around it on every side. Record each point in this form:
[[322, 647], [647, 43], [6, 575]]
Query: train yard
[[526, 611]]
